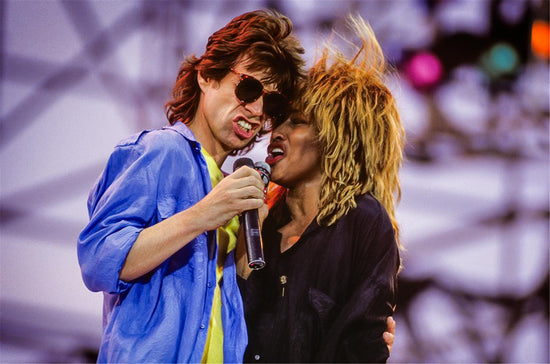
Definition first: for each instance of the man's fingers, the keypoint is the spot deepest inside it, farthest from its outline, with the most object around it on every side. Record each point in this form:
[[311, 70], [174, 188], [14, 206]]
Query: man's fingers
[[248, 192], [246, 176], [250, 204]]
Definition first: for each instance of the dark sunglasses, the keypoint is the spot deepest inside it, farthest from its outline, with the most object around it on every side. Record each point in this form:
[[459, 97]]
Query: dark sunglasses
[[250, 89]]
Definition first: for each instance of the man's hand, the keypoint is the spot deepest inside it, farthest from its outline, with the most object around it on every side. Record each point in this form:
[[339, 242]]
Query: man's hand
[[240, 191], [389, 334]]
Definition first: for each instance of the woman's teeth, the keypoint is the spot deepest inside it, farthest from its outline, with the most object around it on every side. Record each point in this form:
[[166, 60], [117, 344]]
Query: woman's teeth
[[276, 151], [243, 124]]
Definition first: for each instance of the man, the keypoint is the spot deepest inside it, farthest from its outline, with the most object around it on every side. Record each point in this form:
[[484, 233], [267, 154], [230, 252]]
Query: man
[[162, 231]]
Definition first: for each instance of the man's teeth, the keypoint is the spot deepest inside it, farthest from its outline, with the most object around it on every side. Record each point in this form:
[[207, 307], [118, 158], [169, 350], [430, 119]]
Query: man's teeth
[[243, 124]]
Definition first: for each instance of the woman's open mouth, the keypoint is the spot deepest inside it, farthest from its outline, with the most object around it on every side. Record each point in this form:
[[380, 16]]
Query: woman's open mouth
[[274, 154]]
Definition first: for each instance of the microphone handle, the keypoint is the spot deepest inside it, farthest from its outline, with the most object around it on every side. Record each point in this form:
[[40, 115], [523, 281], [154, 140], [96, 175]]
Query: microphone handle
[[253, 239]]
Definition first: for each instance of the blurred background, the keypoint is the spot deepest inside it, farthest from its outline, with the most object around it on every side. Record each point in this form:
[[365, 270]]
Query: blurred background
[[472, 84]]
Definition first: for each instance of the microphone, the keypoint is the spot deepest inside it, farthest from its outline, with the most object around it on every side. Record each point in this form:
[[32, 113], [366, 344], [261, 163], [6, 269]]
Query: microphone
[[250, 221], [265, 171]]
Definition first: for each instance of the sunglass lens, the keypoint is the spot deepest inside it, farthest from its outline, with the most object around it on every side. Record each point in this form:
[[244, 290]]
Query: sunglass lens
[[249, 89], [276, 105]]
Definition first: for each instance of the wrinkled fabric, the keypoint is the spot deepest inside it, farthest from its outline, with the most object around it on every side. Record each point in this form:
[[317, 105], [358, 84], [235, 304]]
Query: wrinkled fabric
[[325, 299], [227, 240], [163, 316]]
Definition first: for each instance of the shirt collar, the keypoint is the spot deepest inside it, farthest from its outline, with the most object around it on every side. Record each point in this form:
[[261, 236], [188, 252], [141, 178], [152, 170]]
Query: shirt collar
[[184, 130]]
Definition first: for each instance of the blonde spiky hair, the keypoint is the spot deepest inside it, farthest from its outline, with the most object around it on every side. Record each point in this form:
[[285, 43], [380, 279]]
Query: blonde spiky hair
[[358, 127]]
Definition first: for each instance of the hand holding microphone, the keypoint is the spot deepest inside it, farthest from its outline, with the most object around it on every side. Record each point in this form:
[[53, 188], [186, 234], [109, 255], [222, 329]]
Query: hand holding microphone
[[250, 220]]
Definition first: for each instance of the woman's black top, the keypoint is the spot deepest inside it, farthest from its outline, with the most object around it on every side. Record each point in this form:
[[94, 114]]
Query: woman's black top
[[326, 299]]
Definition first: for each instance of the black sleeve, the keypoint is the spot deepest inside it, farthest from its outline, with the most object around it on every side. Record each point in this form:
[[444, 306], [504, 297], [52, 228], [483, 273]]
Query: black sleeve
[[356, 332], [255, 288], [241, 282]]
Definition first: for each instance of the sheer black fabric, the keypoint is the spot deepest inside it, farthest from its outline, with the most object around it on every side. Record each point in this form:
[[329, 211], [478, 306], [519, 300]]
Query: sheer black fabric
[[326, 299]]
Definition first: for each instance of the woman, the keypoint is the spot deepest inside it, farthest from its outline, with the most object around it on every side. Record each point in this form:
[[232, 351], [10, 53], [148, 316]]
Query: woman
[[331, 240]]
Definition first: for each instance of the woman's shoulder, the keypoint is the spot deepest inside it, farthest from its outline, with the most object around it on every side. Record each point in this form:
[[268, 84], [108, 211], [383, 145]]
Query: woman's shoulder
[[372, 223], [369, 206], [369, 214]]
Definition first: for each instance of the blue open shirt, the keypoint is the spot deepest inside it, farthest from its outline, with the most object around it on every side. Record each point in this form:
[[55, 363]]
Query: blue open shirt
[[163, 316]]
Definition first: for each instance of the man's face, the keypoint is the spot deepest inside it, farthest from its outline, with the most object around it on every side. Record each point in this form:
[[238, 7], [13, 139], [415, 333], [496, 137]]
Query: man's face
[[227, 123]]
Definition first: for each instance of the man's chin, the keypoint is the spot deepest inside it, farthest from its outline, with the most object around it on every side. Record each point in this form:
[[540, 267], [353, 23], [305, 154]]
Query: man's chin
[[244, 145]]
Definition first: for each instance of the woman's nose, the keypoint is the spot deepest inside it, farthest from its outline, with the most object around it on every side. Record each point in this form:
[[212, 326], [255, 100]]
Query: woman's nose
[[278, 132]]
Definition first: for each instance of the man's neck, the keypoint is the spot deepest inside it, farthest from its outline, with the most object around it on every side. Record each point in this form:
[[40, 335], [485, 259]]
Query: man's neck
[[208, 142], [218, 156]]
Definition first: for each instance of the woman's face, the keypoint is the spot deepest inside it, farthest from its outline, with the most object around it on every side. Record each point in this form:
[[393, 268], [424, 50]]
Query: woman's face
[[293, 153]]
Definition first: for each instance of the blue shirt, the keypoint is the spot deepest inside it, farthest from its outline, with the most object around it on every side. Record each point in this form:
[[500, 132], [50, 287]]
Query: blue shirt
[[163, 316]]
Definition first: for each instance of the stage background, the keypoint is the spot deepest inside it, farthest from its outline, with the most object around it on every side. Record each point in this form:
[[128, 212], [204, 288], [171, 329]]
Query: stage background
[[472, 82]]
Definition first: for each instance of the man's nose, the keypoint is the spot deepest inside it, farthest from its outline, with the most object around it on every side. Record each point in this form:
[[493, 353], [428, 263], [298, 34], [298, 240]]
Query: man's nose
[[256, 107]]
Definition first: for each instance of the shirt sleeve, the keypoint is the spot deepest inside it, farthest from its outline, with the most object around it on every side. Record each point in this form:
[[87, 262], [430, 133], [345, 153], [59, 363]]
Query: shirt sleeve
[[356, 332], [121, 205]]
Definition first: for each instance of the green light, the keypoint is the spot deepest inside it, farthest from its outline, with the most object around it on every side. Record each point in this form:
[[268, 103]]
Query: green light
[[501, 59]]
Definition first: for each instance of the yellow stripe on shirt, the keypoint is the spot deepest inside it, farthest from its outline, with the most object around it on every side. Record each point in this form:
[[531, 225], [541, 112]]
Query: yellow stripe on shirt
[[227, 239]]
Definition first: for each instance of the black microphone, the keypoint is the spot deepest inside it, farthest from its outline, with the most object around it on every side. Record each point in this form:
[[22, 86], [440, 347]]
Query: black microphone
[[250, 221]]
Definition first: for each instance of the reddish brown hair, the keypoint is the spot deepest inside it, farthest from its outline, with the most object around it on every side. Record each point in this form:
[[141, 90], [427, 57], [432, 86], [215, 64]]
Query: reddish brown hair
[[263, 38]]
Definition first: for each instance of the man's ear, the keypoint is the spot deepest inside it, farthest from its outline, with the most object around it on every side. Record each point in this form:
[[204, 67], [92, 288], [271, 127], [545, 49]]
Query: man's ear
[[203, 82], [206, 82]]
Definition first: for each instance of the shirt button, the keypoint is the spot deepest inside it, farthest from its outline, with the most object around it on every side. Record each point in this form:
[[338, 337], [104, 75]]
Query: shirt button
[[209, 284], [256, 357], [202, 326]]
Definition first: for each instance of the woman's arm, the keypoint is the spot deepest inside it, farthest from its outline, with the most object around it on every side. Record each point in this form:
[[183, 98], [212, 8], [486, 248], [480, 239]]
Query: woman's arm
[[357, 332]]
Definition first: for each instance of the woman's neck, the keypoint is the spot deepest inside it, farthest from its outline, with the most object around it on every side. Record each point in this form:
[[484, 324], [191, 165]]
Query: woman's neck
[[302, 205], [302, 201]]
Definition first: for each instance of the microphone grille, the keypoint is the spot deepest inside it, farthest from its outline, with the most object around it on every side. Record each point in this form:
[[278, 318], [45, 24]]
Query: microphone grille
[[243, 162], [265, 171]]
